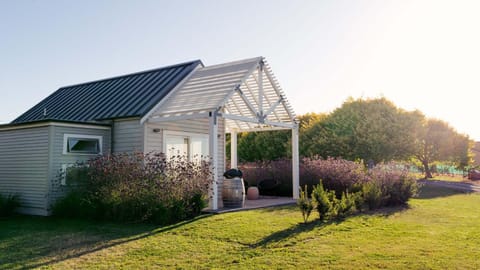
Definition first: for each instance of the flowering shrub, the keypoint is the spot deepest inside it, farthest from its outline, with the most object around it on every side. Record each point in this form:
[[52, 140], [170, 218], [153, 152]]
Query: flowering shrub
[[140, 187], [336, 174], [395, 183]]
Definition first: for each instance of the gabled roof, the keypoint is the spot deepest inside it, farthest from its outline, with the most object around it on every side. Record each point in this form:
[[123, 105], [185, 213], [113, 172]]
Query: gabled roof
[[131, 95], [244, 92]]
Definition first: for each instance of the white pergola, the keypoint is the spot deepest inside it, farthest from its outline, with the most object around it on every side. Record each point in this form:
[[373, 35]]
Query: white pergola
[[245, 93]]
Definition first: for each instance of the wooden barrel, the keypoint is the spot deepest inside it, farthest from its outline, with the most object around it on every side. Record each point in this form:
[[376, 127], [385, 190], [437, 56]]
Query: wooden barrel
[[233, 193]]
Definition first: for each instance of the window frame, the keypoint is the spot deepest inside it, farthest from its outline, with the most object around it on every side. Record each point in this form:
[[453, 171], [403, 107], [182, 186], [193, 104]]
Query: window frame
[[82, 136], [65, 166]]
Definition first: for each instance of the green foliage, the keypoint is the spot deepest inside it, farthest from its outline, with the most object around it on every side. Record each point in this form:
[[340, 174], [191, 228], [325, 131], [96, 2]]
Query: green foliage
[[305, 204], [371, 129], [373, 195], [265, 145], [73, 205], [9, 204], [347, 204], [438, 141], [322, 201]]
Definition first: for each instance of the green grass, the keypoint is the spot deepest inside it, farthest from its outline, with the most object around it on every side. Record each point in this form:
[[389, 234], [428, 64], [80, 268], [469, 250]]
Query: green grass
[[444, 177], [439, 230]]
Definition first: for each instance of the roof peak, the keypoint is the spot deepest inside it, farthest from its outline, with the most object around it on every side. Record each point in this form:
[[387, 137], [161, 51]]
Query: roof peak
[[198, 61]]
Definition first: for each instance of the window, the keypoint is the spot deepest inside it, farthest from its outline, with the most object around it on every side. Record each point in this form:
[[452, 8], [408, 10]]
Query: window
[[193, 146], [82, 144], [66, 169], [72, 173]]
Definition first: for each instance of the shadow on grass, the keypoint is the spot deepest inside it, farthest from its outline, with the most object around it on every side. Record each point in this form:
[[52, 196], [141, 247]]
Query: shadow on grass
[[292, 232], [34, 242], [299, 228], [431, 190]]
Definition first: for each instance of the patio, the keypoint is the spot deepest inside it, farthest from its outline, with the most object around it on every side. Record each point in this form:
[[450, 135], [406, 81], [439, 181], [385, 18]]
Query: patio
[[262, 202]]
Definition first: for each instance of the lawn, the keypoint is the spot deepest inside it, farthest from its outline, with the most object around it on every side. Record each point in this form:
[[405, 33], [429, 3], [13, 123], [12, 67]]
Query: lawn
[[439, 230]]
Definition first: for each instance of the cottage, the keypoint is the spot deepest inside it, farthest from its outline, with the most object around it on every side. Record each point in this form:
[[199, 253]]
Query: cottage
[[186, 107]]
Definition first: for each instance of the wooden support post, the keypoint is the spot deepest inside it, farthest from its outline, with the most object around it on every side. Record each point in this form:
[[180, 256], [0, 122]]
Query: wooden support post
[[295, 163], [213, 152], [233, 150]]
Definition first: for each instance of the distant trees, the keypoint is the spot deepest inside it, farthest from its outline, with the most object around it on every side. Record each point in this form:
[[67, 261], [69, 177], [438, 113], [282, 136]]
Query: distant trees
[[437, 141], [372, 130]]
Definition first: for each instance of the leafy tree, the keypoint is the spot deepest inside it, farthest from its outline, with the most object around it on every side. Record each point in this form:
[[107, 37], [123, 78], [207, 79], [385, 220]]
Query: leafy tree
[[369, 129], [264, 145], [437, 141]]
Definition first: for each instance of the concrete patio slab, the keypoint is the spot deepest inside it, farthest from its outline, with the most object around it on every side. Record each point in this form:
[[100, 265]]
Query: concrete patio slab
[[262, 202]]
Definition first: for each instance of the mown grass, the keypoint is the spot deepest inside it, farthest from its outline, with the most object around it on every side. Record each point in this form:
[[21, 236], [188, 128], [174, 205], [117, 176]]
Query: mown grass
[[439, 230], [444, 177]]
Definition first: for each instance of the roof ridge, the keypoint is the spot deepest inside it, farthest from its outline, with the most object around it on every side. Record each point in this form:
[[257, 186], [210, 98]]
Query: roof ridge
[[135, 73], [231, 63]]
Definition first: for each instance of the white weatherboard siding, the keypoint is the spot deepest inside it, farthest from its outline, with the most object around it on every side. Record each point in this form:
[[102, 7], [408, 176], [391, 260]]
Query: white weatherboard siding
[[58, 158], [128, 136], [24, 167]]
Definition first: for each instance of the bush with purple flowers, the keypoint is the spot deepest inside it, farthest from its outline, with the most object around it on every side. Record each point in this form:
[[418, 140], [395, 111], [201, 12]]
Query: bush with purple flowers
[[137, 187]]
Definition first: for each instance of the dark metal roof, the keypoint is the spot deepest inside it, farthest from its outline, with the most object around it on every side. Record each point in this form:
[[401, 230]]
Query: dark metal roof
[[131, 95]]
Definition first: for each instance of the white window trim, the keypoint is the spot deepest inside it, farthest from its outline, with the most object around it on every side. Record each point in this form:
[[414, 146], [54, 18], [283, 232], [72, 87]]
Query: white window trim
[[189, 135], [65, 143]]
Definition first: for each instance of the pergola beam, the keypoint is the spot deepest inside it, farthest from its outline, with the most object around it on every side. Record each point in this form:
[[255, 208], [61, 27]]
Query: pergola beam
[[255, 120], [178, 117]]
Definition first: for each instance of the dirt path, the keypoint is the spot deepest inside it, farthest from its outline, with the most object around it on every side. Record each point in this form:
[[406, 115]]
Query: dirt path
[[467, 187]]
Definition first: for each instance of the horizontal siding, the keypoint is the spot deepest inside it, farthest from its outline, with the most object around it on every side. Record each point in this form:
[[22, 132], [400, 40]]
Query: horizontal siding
[[58, 158], [127, 136], [24, 167]]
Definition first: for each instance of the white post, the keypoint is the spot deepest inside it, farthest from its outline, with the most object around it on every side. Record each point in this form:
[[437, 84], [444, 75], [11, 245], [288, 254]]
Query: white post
[[213, 149], [295, 163], [233, 150]]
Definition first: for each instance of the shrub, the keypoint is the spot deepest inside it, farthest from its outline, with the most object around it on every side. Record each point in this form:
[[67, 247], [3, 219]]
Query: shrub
[[337, 174], [347, 204], [305, 204], [372, 195], [395, 182], [321, 199], [8, 205], [139, 187]]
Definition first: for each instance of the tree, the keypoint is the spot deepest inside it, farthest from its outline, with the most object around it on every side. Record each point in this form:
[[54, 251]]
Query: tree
[[264, 145], [369, 129], [437, 141]]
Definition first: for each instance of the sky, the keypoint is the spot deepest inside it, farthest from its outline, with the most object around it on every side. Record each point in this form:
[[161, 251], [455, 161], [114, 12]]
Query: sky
[[422, 54]]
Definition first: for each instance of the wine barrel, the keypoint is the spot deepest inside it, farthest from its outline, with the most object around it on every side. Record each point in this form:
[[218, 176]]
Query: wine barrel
[[233, 193]]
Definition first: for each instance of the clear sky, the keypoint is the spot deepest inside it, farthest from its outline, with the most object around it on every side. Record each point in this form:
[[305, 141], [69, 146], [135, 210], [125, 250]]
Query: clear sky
[[420, 54]]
